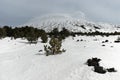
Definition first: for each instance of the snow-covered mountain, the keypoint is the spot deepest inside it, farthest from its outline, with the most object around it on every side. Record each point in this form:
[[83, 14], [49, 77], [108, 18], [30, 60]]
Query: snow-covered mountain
[[71, 23]]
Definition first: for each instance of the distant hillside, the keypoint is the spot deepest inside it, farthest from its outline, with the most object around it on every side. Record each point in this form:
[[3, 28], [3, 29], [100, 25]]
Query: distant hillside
[[50, 22]]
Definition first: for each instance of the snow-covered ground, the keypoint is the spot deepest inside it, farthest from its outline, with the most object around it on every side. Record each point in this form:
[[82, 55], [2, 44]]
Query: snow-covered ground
[[22, 61]]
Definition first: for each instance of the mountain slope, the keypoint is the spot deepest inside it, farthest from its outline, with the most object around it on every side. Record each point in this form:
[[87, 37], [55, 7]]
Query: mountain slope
[[59, 21]]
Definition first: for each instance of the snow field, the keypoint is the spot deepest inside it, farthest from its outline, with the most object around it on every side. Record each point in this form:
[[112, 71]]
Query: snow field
[[22, 61]]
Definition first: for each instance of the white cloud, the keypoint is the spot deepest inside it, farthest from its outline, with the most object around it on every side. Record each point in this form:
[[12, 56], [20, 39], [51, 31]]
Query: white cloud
[[15, 12]]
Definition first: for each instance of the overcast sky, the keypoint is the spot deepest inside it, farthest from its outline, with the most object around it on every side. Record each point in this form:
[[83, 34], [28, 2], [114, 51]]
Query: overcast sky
[[16, 12]]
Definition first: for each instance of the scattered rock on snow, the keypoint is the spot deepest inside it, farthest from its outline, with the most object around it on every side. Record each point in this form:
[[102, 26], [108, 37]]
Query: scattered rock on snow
[[111, 70], [97, 68], [40, 50], [103, 45], [93, 62]]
